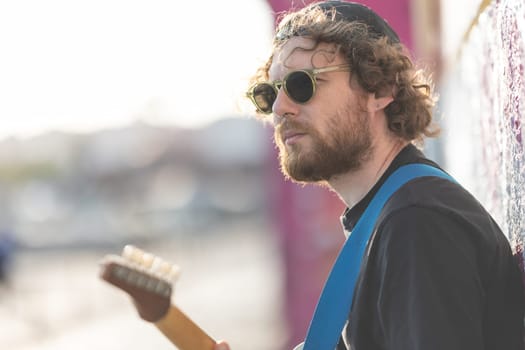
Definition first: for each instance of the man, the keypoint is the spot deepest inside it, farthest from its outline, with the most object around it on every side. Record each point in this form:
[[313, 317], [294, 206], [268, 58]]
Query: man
[[348, 108]]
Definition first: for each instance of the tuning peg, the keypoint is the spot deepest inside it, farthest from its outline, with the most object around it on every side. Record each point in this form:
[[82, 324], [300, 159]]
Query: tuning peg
[[132, 254], [173, 274], [147, 260]]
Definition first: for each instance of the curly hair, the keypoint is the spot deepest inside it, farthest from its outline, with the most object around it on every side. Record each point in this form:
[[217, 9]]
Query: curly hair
[[379, 65]]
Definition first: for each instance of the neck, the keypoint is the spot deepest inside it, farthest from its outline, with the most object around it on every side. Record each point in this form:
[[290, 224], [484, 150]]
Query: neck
[[353, 186]]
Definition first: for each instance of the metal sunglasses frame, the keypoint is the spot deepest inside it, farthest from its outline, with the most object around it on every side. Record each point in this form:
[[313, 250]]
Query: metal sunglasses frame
[[277, 84]]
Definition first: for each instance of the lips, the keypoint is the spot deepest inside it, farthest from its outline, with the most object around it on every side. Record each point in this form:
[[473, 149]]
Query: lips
[[290, 131], [290, 136]]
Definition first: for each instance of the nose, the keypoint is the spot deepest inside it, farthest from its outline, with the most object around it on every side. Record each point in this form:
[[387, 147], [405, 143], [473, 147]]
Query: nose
[[283, 107]]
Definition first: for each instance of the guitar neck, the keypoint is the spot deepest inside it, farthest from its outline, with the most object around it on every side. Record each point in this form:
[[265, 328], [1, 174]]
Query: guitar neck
[[183, 332]]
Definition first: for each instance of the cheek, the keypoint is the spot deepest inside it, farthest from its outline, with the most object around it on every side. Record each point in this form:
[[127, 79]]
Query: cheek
[[345, 123]]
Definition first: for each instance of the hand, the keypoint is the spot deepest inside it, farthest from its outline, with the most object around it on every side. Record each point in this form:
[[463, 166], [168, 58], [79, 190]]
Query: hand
[[221, 345]]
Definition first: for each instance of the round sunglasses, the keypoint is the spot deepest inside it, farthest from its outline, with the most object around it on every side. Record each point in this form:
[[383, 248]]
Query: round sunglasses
[[299, 86]]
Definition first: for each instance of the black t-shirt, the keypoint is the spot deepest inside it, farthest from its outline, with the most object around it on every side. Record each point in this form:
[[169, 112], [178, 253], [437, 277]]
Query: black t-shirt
[[438, 273]]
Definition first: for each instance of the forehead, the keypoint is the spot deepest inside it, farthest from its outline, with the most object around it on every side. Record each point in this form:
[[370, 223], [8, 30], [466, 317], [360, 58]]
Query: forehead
[[302, 53]]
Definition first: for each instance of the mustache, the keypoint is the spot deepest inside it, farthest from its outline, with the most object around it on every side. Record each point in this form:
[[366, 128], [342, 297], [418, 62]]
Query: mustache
[[291, 125]]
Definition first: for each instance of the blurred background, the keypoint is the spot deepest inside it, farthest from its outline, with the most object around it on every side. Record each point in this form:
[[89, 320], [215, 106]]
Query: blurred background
[[124, 122]]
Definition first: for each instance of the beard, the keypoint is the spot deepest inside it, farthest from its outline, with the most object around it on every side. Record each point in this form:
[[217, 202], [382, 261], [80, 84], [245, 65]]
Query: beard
[[345, 147]]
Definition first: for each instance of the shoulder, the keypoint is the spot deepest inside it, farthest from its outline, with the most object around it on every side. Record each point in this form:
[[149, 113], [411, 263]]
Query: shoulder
[[437, 215], [432, 198]]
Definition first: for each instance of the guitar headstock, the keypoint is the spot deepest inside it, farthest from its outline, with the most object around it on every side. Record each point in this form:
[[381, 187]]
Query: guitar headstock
[[148, 279]]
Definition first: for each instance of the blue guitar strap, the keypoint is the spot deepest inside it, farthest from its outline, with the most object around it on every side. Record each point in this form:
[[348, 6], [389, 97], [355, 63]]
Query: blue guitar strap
[[335, 301]]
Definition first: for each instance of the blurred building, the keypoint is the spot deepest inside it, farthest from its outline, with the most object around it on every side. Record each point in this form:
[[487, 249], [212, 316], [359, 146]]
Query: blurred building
[[140, 182]]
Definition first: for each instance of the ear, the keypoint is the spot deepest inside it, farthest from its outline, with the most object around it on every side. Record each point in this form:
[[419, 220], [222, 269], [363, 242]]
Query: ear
[[375, 103]]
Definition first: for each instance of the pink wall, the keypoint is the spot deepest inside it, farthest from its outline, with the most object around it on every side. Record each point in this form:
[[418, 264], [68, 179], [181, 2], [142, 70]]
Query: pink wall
[[398, 15]]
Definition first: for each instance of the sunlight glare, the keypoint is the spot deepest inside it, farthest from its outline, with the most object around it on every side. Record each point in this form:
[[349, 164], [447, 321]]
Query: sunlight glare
[[84, 65]]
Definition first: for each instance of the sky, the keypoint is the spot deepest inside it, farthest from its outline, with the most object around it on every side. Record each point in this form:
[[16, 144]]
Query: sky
[[82, 65]]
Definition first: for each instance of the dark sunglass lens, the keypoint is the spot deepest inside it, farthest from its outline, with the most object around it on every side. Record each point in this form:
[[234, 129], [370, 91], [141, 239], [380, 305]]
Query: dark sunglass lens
[[299, 86], [264, 96]]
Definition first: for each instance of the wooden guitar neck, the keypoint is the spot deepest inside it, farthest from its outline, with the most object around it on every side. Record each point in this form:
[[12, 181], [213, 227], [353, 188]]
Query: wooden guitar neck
[[183, 332]]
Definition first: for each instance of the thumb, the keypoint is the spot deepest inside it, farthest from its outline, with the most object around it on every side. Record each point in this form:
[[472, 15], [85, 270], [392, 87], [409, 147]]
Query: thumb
[[221, 345]]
